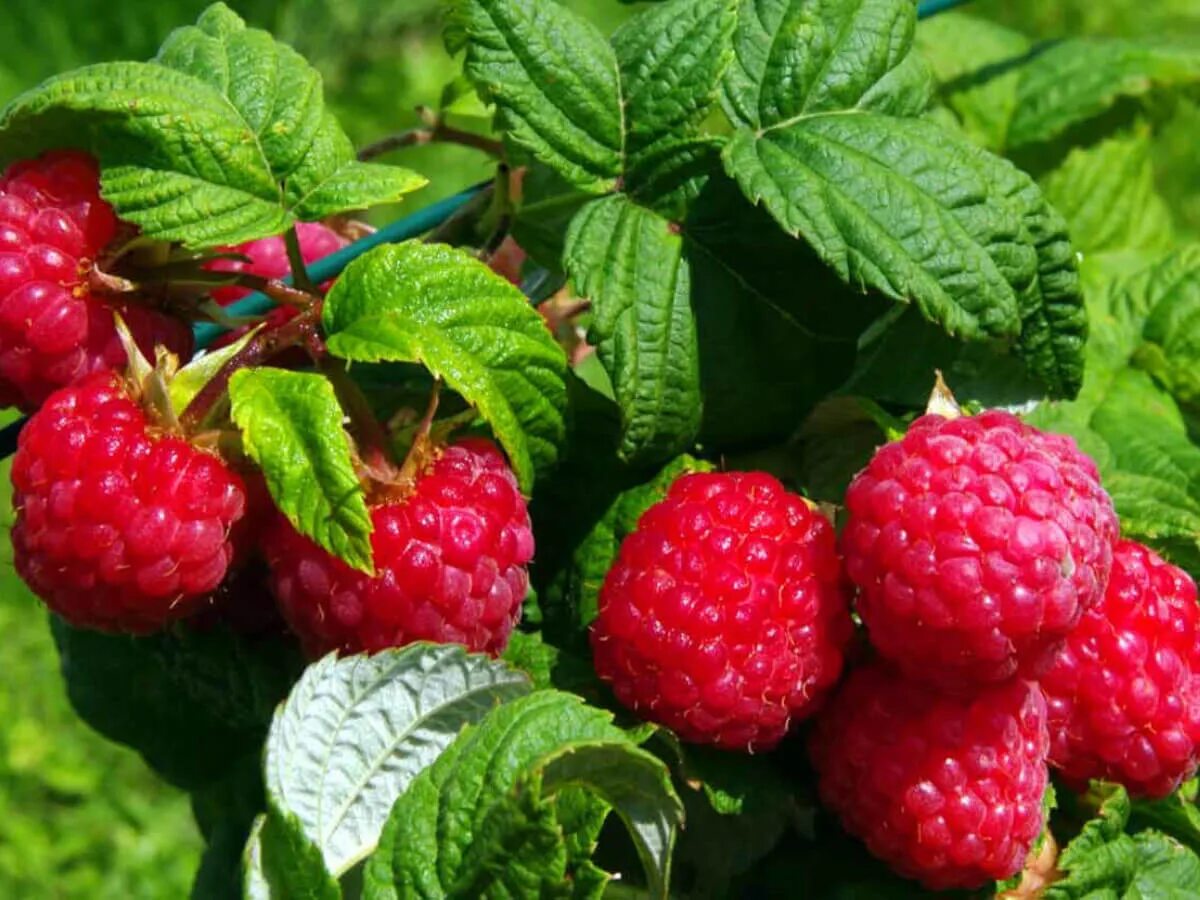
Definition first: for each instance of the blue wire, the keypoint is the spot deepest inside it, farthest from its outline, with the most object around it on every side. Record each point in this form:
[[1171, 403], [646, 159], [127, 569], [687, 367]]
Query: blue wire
[[332, 265], [322, 270], [927, 8]]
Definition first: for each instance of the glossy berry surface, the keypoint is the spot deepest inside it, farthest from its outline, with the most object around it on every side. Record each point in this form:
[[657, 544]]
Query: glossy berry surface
[[53, 330], [725, 615], [976, 544], [450, 564], [118, 527], [1124, 690], [946, 790]]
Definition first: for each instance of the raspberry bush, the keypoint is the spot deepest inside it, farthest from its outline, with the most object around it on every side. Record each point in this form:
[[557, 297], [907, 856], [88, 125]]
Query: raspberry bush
[[610, 528]]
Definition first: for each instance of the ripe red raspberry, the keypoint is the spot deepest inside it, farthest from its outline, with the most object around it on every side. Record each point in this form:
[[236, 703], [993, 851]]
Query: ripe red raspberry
[[53, 330], [946, 790], [268, 258], [976, 543], [450, 564], [1124, 690], [119, 527], [725, 615]]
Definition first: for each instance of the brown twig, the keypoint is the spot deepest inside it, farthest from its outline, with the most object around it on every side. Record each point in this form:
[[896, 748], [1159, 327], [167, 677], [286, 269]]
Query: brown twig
[[291, 240], [434, 130]]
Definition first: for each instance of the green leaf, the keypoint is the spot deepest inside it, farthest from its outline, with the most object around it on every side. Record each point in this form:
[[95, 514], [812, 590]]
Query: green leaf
[[292, 428], [223, 139], [553, 79], [1104, 861], [191, 703], [481, 821], [1074, 80], [1107, 194], [670, 57], [899, 205], [1176, 815], [355, 732], [629, 262], [1170, 349], [441, 307], [290, 864], [192, 378], [797, 58], [975, 63]]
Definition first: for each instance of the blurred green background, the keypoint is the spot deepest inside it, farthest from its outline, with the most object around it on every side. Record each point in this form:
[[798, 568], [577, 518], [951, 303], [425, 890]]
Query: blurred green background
[[83, 818]]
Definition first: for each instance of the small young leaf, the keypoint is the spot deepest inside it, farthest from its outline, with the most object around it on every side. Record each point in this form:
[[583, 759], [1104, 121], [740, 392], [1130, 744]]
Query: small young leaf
[[1076, 79], [796, 58], [192, 378], [1107, 194], [292, 427], [553, 79], [481, 820], [356, 731], [438, 306], [628, 261]]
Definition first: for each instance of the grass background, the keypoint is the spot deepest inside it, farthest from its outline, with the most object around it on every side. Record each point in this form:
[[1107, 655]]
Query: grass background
[[81, 817]]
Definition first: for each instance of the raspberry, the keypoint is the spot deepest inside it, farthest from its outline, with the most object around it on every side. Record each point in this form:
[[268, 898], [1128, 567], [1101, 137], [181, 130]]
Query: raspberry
[[53, 331], [119, 527], [1124, 690], [976, 543], [449, 558], [725, 615], [946, 790], [268, 258]]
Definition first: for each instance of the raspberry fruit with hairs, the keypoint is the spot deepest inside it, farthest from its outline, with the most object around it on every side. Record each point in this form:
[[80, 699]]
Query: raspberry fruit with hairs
[[725, 616], [54, 331], [1124, 690], [450, 564], [944, 789], [120, 527], [976, 544]]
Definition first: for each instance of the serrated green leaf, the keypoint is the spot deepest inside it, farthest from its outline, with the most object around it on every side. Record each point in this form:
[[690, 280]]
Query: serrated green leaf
[[441, 307], [1176, 815], [290, 866], [670, 175], [899, 205], [1170, 348], [629, 262], [221, 140], [670, 58], [1104, 861], [1108, 196], [191, 703], [292, 428], [1071, 81], [355, 732], [553, 79], [796, 58], [975, 63], [481, 820]]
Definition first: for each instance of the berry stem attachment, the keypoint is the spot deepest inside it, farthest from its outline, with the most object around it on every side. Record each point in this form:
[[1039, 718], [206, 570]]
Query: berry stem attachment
[[296, 332], [291, 240], [374, 448], [422, 450], [435, 130], [941, 400]]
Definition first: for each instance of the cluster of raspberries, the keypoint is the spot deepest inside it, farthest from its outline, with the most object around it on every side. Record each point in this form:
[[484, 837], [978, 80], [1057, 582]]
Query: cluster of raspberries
[[1009, 627], [125, 525]]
